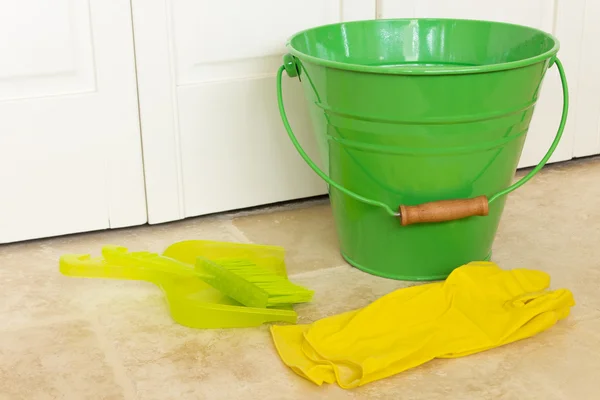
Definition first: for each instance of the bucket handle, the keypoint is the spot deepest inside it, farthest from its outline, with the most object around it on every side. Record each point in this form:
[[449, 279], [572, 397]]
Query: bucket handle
[[435, 211]]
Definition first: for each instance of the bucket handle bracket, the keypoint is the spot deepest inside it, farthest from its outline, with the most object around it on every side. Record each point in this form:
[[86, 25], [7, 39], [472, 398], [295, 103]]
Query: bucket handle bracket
[[291, 66], [435, 211]]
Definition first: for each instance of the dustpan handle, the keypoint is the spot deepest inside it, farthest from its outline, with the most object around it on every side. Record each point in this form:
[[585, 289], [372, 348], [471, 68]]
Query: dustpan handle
[[436, 211]]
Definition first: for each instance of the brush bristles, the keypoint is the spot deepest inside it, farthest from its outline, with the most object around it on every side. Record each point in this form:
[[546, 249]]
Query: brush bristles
[[280, 290]]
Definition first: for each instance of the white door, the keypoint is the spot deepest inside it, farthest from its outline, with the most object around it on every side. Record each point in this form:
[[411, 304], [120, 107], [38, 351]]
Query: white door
[[562, 18], [70, 155], [587, 138], [212, 136]]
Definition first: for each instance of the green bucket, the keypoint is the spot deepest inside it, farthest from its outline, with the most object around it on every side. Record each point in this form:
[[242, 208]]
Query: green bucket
[[420, 124]]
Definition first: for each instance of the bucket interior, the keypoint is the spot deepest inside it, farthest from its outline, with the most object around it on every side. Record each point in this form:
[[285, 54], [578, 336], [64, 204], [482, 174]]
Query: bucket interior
[[431, 43]]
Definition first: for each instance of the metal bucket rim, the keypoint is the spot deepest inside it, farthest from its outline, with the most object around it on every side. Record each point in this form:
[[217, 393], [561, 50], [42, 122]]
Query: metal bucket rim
[[426, 70]]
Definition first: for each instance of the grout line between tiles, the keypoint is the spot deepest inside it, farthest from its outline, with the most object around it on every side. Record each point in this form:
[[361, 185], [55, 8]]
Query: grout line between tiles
[[119, 371]]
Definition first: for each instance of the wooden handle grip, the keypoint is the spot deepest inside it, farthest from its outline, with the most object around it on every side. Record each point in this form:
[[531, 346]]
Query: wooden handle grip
[[444, 210]]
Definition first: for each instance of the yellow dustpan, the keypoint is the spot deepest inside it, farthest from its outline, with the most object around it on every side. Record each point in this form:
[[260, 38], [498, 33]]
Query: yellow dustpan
[[191, 301]]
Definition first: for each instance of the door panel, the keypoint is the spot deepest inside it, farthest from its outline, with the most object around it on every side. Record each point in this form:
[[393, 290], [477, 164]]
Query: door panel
[[54, 59], [213, 139], [70, 156], [587, 138], [214, 43], [536, 13]]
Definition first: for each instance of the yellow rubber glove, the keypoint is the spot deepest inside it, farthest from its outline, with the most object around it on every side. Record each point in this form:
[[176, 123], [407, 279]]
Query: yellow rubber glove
[[478, 307]]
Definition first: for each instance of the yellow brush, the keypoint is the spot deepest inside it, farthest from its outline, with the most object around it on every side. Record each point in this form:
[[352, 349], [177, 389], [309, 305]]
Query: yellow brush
[[241, 280], [269, 289]]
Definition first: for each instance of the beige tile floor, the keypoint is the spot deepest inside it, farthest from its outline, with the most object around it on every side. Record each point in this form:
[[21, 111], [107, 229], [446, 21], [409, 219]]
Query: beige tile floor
[[69, 338]]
